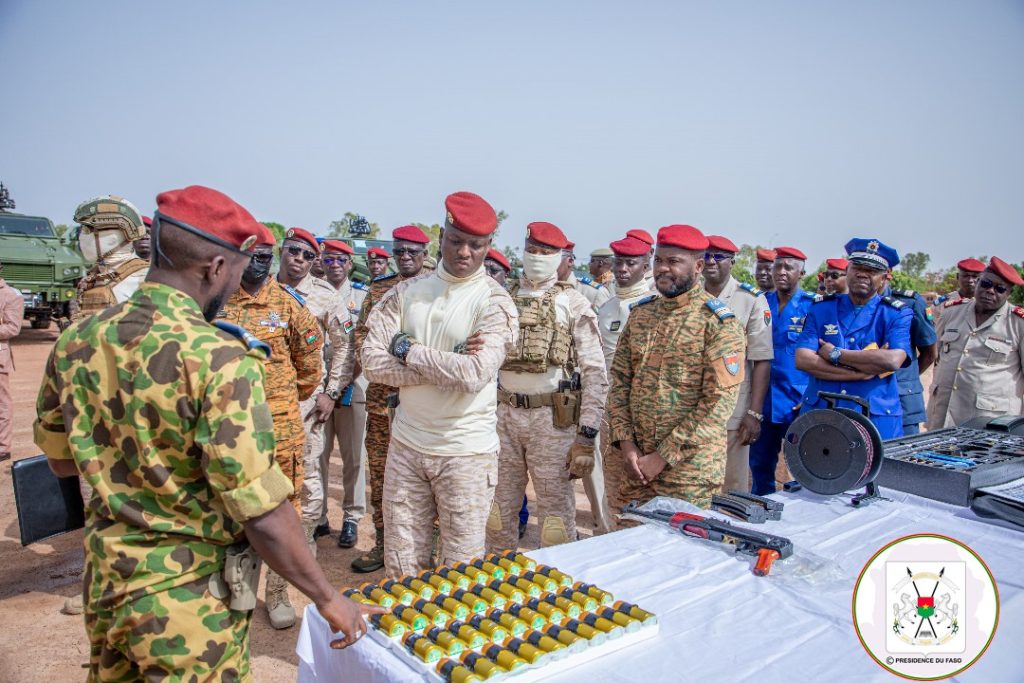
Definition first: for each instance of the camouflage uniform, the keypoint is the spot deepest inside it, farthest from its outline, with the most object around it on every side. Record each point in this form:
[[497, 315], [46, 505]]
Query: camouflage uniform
[[165, 416], [674, 383], [531, 443]]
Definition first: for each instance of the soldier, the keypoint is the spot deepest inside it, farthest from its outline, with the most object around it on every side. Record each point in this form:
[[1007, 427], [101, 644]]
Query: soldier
[[141, 246], [600, 266], [631, 266], [299, 251], [551, 393], [980, 371], [410, 249], [377, 261], [923, 352], [347, 424], [967, 273], [675, 378], [193, 483], [752, 313], [277, 315], [835, 275], [853, 343], [593, 292], [788, 305], [497, 266], [647, 239], [763, 270], [109, 227], [12, 309], [441, 338]]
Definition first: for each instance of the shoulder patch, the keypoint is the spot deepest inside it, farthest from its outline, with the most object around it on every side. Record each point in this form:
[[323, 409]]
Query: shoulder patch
[[244, 335], [586, 279], [818, 298], [291, 290], [641, 302], [719, 308], [1018, 311], [747, 287], [385, 276], [356, 284], [954, 302], [907, 293], [894, 302]]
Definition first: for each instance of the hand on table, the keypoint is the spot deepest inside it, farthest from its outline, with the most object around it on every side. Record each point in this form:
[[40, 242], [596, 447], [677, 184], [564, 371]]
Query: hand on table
[[346, 616]]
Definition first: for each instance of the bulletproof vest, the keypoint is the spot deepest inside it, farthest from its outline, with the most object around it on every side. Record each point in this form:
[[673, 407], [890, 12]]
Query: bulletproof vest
[[543, 341], [98, 292]]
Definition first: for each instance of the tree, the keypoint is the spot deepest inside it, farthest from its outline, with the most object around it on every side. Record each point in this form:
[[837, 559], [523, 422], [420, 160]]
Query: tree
[[809, 283], [340, 228], [277, 229], [914, 264]]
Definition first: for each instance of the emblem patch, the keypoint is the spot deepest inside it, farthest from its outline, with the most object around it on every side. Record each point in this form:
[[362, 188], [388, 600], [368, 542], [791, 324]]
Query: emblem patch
[[616, 324], [831, 329], [349, 326], [767, 318], [732, 364], [274, 321]]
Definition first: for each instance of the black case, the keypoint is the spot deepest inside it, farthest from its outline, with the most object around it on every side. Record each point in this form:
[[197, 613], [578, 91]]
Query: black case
[[47, 505]]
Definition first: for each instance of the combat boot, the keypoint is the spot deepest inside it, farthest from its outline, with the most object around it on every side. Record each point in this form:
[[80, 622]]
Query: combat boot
[[309, 529], [373, 560], [279, 607]]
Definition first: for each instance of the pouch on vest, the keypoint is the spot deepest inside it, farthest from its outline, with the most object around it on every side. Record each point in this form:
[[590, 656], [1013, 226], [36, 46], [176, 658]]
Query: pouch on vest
[[565, 409]]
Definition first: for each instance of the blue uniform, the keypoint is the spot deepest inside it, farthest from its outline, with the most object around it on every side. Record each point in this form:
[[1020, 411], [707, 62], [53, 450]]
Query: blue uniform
[[880, 321], [785, 390], [922, 334]]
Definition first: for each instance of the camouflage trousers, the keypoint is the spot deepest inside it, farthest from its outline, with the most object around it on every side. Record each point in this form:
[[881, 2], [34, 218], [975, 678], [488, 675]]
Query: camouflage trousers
[[613, 469], [183, 634], [347, 427], [532, 447], [457, 489], [313, 496], [684, 480], [737, 464], [289, 455], [378, 438]]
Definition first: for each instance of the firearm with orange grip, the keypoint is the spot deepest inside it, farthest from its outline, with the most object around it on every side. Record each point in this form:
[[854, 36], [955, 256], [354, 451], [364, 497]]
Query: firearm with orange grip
[[765, 547]]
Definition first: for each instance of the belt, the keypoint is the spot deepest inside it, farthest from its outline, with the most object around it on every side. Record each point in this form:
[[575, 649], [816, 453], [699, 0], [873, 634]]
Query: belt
[[528, 401]]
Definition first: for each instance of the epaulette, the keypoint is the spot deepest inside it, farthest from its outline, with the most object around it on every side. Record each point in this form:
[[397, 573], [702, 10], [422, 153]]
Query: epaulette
[[941, 299], [641, 302], [719, 308], [818, 298], [291, 290], [954, 302], [244, 335], [587, 280], [906, 293], [386, 276], [746, 286], [1018, 311], [894, 302], [356, 284]]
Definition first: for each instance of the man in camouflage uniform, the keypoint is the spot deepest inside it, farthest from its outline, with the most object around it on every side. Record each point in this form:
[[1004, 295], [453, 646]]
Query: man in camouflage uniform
[[674, 380], [277, 315], [753, 314], [410, 249], [551, 393], [592, 291], [377, 262], [174, 434]]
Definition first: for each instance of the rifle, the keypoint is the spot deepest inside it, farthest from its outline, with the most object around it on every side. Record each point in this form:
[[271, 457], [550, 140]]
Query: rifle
[[766, 547]]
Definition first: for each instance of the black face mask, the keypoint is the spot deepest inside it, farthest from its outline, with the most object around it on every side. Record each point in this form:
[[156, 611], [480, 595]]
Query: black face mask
[[213, 307], [255, 272]]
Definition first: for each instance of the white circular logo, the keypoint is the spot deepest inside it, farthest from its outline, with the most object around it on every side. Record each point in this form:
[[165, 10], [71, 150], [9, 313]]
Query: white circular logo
[[925, 607]]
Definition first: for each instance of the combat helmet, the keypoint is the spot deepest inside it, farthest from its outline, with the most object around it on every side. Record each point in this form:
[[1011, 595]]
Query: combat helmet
[[111, 212]]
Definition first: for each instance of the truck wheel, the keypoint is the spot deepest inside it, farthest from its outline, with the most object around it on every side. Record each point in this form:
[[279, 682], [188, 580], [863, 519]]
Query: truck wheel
[[41, 323]]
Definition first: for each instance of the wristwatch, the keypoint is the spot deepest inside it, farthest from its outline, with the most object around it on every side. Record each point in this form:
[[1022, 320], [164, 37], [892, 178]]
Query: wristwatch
[[400, 346], [835, 355], [588, 432], [335, 394], [757, 416]]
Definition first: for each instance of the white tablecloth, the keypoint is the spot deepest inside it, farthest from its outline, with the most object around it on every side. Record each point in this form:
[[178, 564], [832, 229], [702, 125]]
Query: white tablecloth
[[721, 623]]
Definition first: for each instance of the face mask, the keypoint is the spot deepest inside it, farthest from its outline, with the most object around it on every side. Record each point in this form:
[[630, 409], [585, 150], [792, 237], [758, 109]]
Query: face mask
[[96, 245], [255, 272], [541, 267]]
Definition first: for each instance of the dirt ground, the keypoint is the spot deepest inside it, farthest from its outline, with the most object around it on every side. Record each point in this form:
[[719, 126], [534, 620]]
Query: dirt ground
[[40, 643]]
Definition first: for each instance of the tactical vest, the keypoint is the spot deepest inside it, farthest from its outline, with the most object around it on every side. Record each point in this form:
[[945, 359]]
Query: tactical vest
[[98, 292], [543, 341]]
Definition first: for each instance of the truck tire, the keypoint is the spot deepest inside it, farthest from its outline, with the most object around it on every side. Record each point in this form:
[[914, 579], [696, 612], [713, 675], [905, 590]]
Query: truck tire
[[41, 323]]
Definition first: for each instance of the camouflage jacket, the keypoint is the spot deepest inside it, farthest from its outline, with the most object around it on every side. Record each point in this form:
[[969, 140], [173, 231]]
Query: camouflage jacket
[[376, 394], [165, 417], [675, 377]]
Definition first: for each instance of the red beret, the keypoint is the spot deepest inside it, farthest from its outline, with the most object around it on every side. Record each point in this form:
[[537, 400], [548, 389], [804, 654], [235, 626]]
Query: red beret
[[790, 252], [682, 236], [378, 252], [837, 263], [766, 255], [337, 246], [971, 265], [147, 221], [1005, 271], [630, 246], [303, 236], [266, 236], [496, 255], [570, 245], [722, 244], [470, 213], [548, 234], [210, 214], [641, 235], [410, 233]]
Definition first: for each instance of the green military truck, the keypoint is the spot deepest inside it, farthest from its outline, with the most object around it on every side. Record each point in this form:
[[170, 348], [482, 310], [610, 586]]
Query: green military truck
[[45, 267], [360, 273]]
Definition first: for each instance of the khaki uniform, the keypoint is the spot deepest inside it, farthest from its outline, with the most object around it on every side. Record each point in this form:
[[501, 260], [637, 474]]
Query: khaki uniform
[[443, 433], [174, 434], [611, 321], [593, 292], [12, 309], [105, 286], [557, 327], [980, 369], [674, 383], [752, 312]]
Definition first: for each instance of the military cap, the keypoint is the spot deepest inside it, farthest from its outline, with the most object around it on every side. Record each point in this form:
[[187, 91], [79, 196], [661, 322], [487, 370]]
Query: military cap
[[683, 237], [470, 213], [147, 221], [303, 236], [209, 214], [789, 252], [871, 253], [499, 258], [630, 246], [971, 265], [377, 252], [641, 235], [837, 263], [603, 252], [1004, 270], [266, 237], [548, 234], [569, 246], [410, 233], [109, 212], [722, 244], [336, 246], [767, 255]]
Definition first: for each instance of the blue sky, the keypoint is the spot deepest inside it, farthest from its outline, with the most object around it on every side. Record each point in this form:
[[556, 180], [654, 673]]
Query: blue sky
[[802, 123]]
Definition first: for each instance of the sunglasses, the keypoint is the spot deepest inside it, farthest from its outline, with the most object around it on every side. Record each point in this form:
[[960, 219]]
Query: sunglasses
[[334, 260], [262, 258], [834, 275], [717, 258], [988, 284], [305, 253], [407, 251]]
